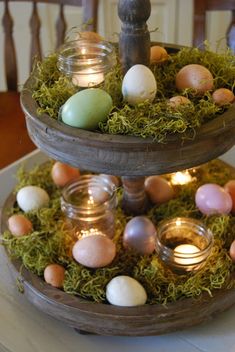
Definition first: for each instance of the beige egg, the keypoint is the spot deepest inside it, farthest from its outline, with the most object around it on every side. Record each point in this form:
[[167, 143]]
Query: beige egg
[[54, 275], [223, 96], [196, 77], [89, 35], [178, 100], [232, 251], [19, 225], [62, 173], [158, 54], [95, 251], [158, 189]]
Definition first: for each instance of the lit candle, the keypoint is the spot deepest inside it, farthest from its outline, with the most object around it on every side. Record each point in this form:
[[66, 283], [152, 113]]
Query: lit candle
[[181, 178], [183, 254], [88, 78]]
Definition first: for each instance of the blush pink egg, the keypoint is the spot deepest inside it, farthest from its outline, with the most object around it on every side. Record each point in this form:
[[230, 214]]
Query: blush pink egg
[[213, 199]]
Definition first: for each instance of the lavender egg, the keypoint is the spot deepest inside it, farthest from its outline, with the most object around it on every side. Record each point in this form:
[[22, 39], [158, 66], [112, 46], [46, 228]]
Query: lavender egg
[[140, 235], [213, 199]]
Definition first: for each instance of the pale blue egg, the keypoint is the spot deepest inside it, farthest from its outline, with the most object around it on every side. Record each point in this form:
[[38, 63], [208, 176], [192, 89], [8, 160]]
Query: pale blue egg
[[87, 108]]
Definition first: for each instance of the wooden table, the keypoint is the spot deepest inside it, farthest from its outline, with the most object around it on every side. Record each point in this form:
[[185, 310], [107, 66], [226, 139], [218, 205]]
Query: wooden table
[[14, 138]]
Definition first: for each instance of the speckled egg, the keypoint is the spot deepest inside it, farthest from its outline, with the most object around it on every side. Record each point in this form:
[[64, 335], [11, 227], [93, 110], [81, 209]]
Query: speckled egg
[[19, 225], [32, 198], [87, 108], [196, 77], [95, 251], [212, 199], [140, 235], [158, 189], [125, 291], [139, 85], [178, 100]]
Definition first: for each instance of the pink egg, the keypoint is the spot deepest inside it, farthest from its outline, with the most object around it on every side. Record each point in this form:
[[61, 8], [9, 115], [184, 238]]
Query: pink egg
[[213, 199], [140, 235]]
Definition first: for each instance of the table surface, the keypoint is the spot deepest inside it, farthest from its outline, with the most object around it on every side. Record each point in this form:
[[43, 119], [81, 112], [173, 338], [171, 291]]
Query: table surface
[[14, 139], [25, 329]]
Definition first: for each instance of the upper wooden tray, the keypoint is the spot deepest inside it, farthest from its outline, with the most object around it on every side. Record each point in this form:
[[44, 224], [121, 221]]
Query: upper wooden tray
[[126, 155]]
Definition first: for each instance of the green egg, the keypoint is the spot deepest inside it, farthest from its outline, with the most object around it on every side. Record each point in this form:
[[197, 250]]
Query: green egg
[[87, 108]]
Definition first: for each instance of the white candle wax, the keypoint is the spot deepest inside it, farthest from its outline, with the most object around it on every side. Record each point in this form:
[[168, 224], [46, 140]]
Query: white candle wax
[[181, 178], [88, 78], [186, 250]]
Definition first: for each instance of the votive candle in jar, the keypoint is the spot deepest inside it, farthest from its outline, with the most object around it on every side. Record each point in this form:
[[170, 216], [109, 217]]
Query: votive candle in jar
[[183, 244], [89, 204], [85, 61]]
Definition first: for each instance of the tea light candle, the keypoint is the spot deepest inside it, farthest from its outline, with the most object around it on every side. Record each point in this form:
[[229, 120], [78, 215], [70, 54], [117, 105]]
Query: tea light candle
[[183, 244], [181, 178], [184, 254], [88, 78]]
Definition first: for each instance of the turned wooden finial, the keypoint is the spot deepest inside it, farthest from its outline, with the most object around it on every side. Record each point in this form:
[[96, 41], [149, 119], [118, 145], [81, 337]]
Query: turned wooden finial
[[134, 40]]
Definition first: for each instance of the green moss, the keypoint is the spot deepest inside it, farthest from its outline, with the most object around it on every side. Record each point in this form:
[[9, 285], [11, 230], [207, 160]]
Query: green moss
[[51, 241], [156, 120]]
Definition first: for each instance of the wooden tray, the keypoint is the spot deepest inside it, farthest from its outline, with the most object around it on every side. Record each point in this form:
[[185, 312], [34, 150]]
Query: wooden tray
[[105, 319], [126, 155]]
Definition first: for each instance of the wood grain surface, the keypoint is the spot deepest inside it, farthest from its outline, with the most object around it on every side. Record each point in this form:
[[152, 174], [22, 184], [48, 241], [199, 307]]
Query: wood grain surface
[[14, 138]]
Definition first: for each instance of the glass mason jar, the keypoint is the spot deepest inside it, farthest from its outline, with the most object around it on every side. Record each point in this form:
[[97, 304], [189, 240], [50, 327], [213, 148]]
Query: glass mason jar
[[89, 204], [183, 244], [85, 61]]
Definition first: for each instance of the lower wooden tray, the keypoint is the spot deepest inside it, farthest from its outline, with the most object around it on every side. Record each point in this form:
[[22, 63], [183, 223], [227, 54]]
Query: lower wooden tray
[[106, 319]]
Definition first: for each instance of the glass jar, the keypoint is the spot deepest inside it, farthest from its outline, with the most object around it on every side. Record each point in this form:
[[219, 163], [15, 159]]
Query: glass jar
[[89, 204], [183, 244], [85, 61]]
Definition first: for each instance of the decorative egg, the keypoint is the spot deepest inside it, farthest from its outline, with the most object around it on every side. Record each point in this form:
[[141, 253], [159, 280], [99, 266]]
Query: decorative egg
[[32, 198], [232, 251], [196, 77], [54, 275], [112, 178], [140, 235], [223, 96], [95, 251], [87, 108], [213, 199], [139, 85], [178, 100], [89, 35], [230, 188], [19, 225], [158, 189], [62, 173], [158, 54], [125, 291]]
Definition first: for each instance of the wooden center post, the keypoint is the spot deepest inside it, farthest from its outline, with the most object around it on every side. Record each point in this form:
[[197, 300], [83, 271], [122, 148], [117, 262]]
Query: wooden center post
[[134, 48]]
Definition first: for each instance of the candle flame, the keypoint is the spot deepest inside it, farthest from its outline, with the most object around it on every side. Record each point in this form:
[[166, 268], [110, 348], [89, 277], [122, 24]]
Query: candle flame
[[181, 178]]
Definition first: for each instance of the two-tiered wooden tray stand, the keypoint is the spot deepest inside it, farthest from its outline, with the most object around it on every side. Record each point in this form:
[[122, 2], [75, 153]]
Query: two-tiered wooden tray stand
[[132, 158]]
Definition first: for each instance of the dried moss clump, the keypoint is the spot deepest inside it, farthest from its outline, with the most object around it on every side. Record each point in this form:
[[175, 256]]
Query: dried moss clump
[[51, 241], [156, 120]]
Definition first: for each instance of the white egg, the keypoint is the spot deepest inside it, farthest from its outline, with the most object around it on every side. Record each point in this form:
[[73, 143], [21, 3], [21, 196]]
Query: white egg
[[125, 291], [139, 85], [32, 198]]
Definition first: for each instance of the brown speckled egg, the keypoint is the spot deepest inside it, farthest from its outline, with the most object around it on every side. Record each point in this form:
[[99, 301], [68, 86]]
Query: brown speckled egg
[[62, 173], [158, 54], [230, 188], [232, 251], [223, 96], [178, 100], [158, 189], [140, 235], [196, 77], [19, 225], [54, 275], [95, 251]]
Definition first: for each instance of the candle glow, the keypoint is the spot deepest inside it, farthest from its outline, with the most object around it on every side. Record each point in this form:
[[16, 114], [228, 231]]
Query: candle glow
[[184, 251], [181, 178], [88, 78]]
